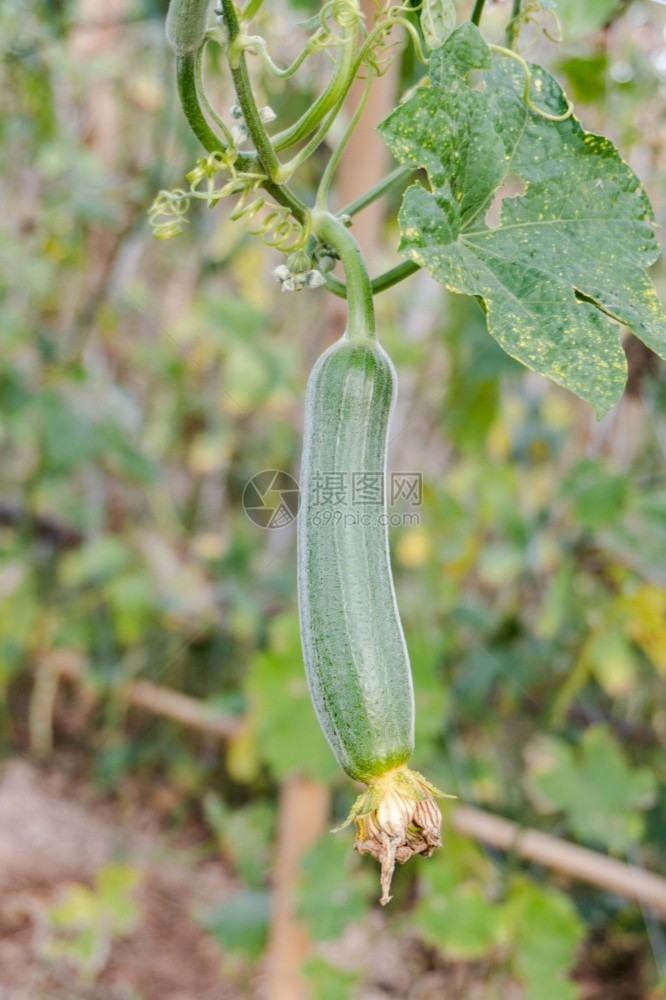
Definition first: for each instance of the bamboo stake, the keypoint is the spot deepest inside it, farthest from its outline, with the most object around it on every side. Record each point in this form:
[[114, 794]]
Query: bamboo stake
[[182, 708], [631, 881], [561, 855], [303, 814]]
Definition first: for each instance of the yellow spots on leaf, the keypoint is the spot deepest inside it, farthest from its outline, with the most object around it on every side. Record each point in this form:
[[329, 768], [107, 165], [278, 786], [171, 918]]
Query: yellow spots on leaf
[[526, 269]]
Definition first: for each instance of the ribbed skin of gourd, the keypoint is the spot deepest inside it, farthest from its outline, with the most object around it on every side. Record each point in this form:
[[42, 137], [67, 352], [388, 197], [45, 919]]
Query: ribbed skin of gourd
[[355, 655], [186, 24]]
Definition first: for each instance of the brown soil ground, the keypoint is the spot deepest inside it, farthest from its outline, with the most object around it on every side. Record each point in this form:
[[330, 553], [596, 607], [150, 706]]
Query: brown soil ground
[[56, 828]]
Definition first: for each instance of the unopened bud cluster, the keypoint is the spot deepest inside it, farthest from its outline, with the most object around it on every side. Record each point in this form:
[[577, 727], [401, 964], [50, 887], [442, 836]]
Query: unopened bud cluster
[[240, 132], [298, 273]]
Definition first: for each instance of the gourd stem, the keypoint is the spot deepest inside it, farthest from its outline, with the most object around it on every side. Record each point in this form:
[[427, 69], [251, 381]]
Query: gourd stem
[[360, 311], [238, 66], [373, 193], [336, 286]]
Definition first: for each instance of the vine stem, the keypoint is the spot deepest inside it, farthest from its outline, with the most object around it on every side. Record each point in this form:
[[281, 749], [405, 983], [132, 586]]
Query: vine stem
[[360, 309], [334, 159], [186, 79], [238, 66], [333, 96], [260, 47], [511, 26], [251, 9], [397, 175], [203, 97], [379, 284], [189, 99], [478, 11]]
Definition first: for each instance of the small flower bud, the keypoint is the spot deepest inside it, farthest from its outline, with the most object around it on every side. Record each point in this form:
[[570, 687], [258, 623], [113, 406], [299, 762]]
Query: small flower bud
[[235, 111], [281, 272], [239, 134], [315, 279], [325, 263], [267, 115], [298, 262]]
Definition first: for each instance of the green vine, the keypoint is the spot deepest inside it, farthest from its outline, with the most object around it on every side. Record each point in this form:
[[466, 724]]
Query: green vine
[[258, 180]]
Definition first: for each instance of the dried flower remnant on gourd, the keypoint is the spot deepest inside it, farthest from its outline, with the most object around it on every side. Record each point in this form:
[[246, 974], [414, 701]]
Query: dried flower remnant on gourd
[[396, 817]]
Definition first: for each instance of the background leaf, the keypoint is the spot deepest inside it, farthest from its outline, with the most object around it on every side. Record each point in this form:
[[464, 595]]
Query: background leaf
[[547, 931], [577, 239], [332, 872], [601, 795]]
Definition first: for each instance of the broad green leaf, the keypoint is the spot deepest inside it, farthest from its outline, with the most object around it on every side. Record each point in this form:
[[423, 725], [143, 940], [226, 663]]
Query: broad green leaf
[[500, 564], [586, 75], [601, 795], [611, 658], [639, 540], [132, 602], [76, 908], [566, 259], [438, 19], [546, 932], [100, 559]]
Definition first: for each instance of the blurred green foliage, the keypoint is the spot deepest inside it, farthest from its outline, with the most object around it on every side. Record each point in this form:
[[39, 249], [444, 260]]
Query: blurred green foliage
[[143, 384], [84, 922]]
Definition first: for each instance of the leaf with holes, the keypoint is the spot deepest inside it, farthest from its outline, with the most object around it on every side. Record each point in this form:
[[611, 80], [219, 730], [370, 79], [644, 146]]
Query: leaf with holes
[[565, 261]]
